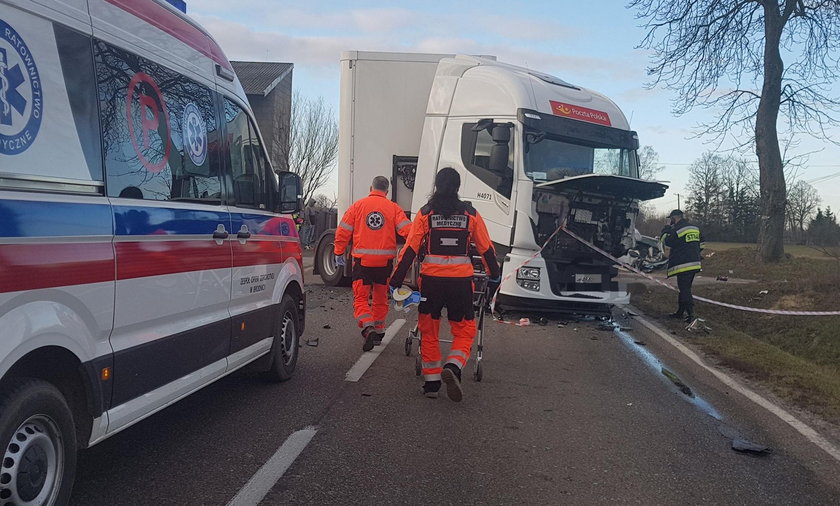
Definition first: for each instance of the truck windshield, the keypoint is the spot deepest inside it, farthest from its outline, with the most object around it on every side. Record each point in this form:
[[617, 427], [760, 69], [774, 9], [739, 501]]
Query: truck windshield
[[551, 159]]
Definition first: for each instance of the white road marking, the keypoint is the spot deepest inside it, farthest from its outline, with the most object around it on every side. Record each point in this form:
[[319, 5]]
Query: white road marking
[[801, 427], [260, 484], [366, 360]]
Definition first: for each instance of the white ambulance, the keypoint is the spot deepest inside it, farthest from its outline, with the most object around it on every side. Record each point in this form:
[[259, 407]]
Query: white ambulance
[[147, 247]]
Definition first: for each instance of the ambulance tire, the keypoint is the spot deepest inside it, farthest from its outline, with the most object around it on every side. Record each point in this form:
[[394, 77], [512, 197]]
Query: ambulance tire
[[38, 437], [331, 274], [284, 350]]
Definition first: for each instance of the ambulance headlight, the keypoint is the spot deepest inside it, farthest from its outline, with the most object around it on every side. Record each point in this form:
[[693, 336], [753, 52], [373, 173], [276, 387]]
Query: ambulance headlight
[[531, 273]]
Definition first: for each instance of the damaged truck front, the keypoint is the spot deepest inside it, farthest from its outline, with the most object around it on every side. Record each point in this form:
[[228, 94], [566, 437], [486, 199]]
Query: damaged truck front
[[585, 177]]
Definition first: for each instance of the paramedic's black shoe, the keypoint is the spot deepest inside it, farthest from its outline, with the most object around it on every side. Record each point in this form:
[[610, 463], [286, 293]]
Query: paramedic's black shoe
[[451, 375], [378, 336], [368, 333], [430, 389]]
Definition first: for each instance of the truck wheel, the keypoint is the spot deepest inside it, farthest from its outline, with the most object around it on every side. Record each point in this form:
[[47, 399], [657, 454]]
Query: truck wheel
[[284, 350], [38, 437], [332, 274]]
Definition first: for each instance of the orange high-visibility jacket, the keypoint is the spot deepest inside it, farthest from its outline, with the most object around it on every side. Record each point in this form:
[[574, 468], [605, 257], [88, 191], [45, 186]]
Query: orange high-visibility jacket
[[443, 243], [373, 224]]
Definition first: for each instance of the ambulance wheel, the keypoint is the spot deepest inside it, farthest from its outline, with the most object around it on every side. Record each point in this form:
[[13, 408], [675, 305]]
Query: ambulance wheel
[[477, 373], [417, 368], [39, 441], [332, 274], [284, 350]]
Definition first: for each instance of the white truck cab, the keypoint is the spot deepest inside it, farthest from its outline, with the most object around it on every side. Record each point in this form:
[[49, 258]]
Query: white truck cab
[[533, 151], [147, 247]]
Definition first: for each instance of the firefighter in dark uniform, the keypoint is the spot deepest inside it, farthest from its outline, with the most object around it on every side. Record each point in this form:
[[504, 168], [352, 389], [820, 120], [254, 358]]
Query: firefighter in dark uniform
[[685, 241], [441, 236]]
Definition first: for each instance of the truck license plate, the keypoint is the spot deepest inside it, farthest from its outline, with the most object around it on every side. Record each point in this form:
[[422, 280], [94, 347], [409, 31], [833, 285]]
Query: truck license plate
[[587, 278]]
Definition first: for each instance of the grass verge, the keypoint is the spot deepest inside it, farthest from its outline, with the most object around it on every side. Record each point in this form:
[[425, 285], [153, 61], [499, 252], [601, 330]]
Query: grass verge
[[797, 357]]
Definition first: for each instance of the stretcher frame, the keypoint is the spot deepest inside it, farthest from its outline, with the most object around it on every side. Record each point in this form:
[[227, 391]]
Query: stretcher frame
[[480, 302]]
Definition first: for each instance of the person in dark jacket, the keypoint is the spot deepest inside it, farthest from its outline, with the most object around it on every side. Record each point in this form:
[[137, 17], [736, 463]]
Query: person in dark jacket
[[685, 241]]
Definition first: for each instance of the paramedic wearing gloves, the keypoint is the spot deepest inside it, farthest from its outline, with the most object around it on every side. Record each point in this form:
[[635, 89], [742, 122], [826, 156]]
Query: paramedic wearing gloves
[[440, 236], [373, 224]]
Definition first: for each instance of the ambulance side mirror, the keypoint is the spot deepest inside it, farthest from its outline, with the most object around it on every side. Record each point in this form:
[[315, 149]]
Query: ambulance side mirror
[[291, 193]]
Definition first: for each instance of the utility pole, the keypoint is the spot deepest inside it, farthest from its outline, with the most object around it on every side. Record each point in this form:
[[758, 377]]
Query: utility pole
[[678, 202]]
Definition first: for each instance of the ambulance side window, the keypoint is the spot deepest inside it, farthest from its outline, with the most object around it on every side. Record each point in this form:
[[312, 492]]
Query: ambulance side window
[[158, 130], [475, 153], [252, 183]]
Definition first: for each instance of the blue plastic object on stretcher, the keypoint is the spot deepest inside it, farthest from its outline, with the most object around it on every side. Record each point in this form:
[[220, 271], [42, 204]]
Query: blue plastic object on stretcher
[[405, 298]]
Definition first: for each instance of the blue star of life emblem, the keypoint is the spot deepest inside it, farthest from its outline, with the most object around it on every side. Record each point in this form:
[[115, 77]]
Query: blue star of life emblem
[[21, 93]]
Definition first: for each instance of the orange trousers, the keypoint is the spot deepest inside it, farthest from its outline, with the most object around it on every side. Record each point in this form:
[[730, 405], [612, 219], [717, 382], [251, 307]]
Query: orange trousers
[[463, 334], [370, 304]]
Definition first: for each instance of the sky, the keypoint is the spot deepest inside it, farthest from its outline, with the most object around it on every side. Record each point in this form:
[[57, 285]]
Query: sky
[[593, 47]]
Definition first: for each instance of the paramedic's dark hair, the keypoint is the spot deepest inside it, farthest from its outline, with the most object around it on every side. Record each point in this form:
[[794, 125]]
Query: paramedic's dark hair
[[445, 196], [380, 183]]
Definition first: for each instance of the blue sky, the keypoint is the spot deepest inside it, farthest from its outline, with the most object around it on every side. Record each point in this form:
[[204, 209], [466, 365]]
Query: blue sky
[[590, 46]]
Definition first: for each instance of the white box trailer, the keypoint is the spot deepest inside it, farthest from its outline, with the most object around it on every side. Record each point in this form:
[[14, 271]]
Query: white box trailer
[[533, 151]]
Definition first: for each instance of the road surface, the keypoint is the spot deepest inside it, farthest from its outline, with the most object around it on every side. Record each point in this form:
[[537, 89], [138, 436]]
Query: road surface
[[571, 415]]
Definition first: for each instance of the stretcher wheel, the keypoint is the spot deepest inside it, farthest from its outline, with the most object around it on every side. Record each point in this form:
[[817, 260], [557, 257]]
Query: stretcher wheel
[[477, 373], [408, 345], [417, 368]]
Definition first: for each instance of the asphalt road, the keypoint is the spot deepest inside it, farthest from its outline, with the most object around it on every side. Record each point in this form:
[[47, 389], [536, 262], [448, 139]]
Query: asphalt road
[[571, 415]]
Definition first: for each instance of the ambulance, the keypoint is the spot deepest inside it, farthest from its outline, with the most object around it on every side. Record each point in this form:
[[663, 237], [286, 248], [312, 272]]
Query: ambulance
[[147, 246]]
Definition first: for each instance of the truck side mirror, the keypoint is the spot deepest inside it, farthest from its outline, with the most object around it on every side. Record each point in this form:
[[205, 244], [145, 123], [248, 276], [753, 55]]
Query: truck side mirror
[[500, 151], [291, 193]]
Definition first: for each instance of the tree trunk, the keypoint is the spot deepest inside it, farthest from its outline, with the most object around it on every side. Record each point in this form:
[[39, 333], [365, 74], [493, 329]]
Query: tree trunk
[[771, 172]]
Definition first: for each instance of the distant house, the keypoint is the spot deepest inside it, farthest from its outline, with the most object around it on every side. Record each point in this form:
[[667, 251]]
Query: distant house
[[269, 89]]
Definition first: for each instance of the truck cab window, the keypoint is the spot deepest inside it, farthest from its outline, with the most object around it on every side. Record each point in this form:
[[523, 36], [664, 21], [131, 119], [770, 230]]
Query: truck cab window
[[252, 182], [476, 151]]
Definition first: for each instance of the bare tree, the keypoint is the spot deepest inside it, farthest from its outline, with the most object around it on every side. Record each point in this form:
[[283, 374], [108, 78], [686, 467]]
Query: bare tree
[[325, 201], [727, 54], [706, 187], [313, 143], [649, 166], [803, 200]]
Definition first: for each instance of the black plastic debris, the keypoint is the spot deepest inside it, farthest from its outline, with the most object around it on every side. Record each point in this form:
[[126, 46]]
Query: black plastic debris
[[367, 395], [327, 326], [640, 343], [746, 446], [606, 326]]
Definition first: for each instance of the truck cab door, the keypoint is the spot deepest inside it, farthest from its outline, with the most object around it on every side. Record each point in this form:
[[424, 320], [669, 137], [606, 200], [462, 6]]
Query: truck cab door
[[484, 152]]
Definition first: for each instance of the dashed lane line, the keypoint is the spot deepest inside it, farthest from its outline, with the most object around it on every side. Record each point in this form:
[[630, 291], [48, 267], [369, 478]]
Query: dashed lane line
[[261, 483], [366, 360]]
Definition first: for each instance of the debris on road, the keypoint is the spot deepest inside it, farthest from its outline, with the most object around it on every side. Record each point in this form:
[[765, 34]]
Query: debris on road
[[327, 326], [746, 446], [640, 343], [722, 278], [312, 342], [677, 382], [699, 325]]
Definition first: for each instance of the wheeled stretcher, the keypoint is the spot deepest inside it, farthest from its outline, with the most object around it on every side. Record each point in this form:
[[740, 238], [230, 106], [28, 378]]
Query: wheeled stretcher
[[480, 302]]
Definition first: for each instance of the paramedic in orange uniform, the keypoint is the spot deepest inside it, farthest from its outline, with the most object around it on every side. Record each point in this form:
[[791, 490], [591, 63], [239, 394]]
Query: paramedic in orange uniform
[[441, 236], [373, 224]]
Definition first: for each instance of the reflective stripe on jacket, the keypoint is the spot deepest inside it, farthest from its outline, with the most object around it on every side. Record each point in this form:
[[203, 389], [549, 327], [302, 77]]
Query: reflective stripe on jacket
[[685, 241], [443, 242], [373, 224]]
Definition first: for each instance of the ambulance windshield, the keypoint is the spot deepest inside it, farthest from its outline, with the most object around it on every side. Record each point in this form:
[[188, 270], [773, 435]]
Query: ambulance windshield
[[550, 159]]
